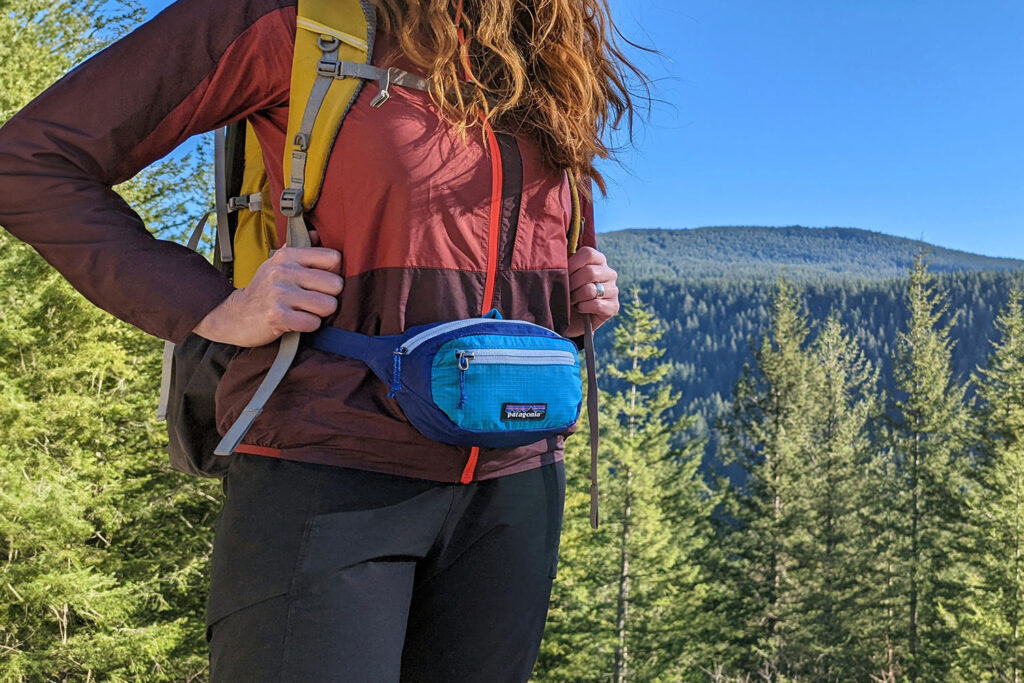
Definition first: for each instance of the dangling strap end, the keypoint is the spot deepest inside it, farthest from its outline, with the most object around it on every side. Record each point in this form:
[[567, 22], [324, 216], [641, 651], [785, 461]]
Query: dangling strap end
[[234, 436], [165, 381], [588, 345], [289, 346], [385, 90]]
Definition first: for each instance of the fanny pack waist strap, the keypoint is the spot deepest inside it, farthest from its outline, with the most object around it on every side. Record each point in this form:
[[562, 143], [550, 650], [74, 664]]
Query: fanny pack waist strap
[[370, 350], [377, 352]]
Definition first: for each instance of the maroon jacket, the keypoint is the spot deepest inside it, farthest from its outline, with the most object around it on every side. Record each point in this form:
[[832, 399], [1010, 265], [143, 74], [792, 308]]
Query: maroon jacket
[[406, 201]]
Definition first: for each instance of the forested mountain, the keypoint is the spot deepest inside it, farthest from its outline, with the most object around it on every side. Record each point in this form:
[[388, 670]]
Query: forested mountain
[[712, 317], [796, 252]]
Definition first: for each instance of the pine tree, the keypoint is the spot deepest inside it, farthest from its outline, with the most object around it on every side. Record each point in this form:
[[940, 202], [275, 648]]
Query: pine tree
[[770, 436], [793, 538], [628, 598], [836, 597], [992, 623], [930, 453]]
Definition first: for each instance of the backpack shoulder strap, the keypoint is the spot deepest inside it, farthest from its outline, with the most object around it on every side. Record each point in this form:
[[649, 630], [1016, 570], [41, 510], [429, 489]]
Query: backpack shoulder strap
[[327, 32]]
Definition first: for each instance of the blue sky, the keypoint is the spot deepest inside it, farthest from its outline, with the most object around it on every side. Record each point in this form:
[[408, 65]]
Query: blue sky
[[901, 116]]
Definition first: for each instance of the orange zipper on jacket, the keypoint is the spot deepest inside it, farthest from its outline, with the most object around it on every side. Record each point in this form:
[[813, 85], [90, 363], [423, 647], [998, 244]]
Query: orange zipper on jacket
[[497, 181], [494, 230], [494, 223]]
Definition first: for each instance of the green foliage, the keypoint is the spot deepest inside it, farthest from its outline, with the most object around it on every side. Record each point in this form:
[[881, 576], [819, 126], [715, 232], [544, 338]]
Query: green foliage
[[857, 529], [40, 40], [791, 530], [105, 547], [929, 447], [630, 597], [991, 620], [709, 325]]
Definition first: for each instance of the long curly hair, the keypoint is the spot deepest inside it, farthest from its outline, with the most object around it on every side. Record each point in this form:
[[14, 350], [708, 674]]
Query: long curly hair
[[549, 69]]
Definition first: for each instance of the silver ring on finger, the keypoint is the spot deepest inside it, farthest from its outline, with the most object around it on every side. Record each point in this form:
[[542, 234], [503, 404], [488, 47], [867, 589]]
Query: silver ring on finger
[[600, 290]]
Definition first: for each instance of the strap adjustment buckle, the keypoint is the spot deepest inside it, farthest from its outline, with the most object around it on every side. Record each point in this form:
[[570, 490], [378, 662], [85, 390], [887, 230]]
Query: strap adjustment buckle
[[329, 68], [250, 202], [291, 202]]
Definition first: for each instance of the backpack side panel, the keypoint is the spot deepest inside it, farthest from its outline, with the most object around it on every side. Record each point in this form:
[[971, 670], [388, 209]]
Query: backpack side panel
[[254, 234]]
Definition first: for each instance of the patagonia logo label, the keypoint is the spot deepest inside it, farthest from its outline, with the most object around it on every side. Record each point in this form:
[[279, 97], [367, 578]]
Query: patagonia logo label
[[524, 411]]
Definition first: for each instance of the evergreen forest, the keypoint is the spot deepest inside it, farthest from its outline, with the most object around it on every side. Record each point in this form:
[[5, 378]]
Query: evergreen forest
[[812, 462]]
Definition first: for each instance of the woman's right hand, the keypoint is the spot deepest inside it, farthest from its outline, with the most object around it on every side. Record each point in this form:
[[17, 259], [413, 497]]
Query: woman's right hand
[[290, 292]]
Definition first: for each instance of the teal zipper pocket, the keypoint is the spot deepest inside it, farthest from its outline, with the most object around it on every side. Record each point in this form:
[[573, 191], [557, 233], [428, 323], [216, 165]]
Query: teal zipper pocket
[[508, 389]]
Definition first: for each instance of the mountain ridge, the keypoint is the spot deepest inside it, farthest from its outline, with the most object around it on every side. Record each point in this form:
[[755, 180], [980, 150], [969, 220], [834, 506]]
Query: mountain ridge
[[797, 252]]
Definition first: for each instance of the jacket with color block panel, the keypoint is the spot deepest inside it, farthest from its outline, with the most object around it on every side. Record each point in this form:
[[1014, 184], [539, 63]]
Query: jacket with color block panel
[[405, 199]]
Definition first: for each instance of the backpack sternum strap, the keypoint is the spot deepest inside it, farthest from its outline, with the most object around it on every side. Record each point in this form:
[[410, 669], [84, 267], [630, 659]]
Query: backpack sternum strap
[[368, 72]]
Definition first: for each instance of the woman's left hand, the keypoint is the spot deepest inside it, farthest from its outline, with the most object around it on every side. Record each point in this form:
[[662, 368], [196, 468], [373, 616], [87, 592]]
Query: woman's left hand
[[587, 269]]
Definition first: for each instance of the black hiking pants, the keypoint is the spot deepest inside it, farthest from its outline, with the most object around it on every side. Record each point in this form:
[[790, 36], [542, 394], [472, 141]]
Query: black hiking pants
[[325, 574]]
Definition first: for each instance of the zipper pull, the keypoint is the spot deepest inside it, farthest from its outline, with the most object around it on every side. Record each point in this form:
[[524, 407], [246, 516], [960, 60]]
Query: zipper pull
[[385, 90], [396, 373], [464, 358]]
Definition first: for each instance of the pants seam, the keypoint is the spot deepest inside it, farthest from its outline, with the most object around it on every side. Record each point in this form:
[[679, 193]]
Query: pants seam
[[300, 556], [453, 492]]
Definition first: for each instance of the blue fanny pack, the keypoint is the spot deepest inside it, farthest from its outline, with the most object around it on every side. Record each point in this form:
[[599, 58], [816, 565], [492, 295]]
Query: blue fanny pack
[[483, 382]]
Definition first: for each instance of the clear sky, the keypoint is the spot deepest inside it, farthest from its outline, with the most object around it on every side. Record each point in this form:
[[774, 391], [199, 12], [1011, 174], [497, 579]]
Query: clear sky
[[901, 116]]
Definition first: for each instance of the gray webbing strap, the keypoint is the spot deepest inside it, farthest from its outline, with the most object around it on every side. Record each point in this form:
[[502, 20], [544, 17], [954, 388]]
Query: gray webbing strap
[[220, 187], [289, 346], [298, 236], [197, 232], [386, 77], [165, 381], [165, 371], [588, 346]]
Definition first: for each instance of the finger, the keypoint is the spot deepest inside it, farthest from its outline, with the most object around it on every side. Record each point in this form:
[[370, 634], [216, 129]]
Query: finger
[[300, 321], [584, 256], [314, 280], [602, 308], [320, 258], [591, 273], [589, 291], [320, 305]]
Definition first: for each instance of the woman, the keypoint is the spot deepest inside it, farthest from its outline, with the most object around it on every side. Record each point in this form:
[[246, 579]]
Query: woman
[[350, 547]]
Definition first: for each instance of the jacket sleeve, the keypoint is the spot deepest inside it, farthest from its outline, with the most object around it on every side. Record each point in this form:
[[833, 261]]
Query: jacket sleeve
[[196, 66]]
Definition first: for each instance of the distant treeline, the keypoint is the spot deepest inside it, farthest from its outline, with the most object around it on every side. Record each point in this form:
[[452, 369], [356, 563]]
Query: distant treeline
[[798, 253], [711, 325], [876, 532]]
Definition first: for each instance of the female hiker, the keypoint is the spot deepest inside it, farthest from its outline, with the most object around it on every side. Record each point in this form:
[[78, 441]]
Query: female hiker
[[351, 547]]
